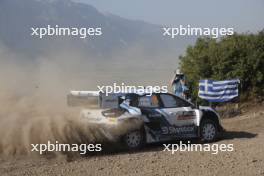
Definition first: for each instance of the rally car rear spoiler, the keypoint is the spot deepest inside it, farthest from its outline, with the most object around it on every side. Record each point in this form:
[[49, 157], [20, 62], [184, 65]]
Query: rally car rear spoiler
[[93, 99]]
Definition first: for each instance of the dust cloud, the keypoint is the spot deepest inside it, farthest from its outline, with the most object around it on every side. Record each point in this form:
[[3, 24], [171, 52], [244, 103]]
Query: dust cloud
[[33, 106]]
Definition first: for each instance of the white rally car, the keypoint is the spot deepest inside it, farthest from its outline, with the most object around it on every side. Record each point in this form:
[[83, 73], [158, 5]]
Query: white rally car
[[165, 117]]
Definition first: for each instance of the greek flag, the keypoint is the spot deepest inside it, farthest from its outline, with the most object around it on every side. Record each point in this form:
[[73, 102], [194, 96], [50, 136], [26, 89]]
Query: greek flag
[[218, 91]]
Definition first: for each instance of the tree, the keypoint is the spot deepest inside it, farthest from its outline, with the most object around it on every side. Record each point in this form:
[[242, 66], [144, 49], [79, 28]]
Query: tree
[[238, 56]]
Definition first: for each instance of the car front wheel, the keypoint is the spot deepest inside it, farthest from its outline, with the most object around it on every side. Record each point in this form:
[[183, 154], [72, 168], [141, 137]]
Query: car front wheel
[[208, 130]]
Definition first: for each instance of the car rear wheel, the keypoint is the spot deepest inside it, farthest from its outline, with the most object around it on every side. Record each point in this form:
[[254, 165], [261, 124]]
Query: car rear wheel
[[134, 139], [208, 130]]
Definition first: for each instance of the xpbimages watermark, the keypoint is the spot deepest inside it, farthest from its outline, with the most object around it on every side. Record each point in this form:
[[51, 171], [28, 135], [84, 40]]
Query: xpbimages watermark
[[58, 147], [81, 32], [123, 88], [188, 147], [188, 30]]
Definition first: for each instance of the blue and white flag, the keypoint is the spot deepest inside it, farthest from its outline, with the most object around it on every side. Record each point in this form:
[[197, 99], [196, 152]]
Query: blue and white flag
[[218, 91]]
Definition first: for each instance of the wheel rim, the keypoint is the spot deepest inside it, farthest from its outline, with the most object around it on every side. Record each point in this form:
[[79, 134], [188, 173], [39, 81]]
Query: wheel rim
[[133, 139], [209, 131]]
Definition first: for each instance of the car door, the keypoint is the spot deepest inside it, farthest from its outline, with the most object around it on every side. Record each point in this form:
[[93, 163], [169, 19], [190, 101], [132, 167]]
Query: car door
[[150, 107], [180, 115]]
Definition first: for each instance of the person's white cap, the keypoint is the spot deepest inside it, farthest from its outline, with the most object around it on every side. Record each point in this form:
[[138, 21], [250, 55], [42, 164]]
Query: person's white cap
[[178, 72]]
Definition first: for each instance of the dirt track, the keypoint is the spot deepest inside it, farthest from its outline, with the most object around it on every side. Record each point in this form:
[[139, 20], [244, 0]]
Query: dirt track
[[246, 132]]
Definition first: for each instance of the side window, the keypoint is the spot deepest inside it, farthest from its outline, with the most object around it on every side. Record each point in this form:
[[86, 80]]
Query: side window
[[168, 101], [148, 101], [182, 103]]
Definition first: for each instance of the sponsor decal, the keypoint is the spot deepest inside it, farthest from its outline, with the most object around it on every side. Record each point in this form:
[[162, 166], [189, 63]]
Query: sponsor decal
[[177, 130], [186, 115]]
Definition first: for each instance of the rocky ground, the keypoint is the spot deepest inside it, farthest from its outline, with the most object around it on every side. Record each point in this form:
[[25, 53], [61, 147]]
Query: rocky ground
[[245, 131]]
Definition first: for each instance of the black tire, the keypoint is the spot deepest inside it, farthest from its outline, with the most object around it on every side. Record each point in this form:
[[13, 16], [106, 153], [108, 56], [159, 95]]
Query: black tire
[[134, 140], [208, 130]]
